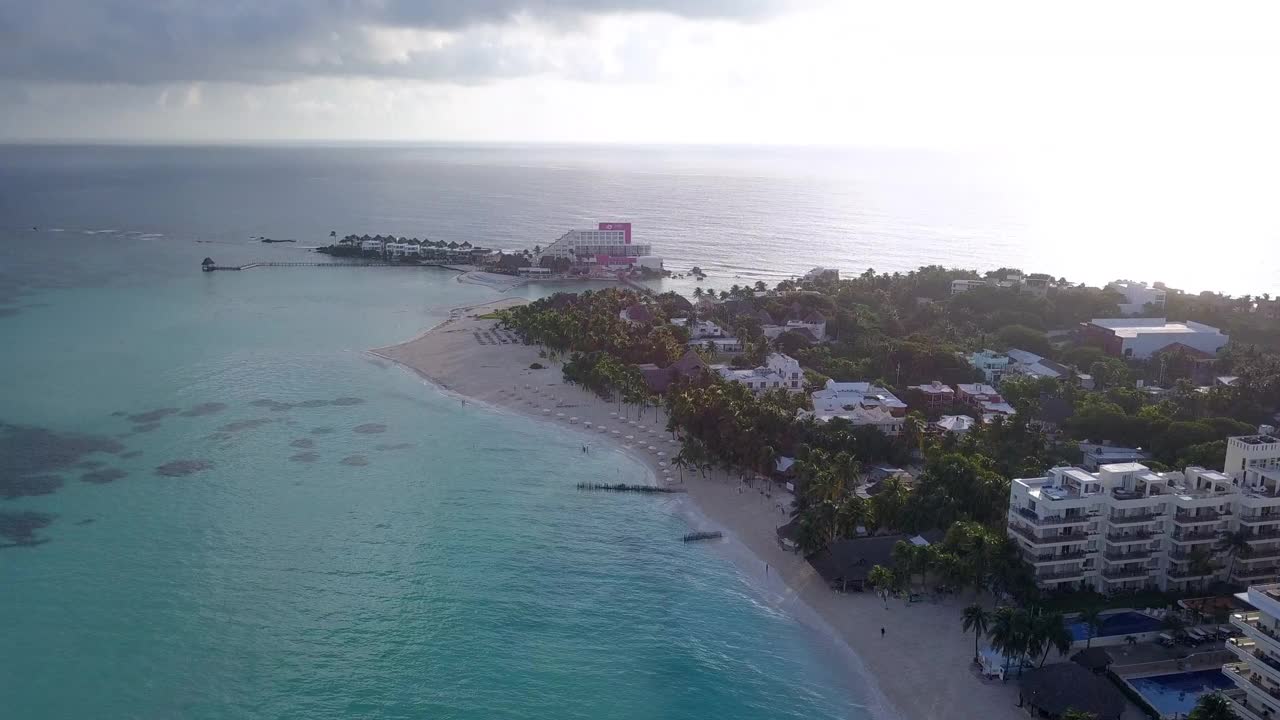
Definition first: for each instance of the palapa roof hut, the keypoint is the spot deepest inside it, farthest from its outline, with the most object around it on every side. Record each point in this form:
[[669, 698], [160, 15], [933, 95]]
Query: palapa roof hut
[[1051, 691]]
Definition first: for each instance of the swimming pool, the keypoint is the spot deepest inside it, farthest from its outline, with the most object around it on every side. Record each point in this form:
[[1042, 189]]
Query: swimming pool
[[1121, 623], [1175, 695]]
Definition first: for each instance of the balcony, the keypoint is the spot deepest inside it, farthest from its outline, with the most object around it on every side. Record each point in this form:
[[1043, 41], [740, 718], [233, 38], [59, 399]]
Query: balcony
[[1268, 519], [1024, 532], [1255, 658], [1189, 574], [1256, 631], [1255, 573], [1131, 537], [1126, 573], [1127, 556], [1077, 574], [1267, 554], [1054, 520], [1245, 677], [1049, 558], [1240, 704], [1205, 515], [1134, 519], [1188, 538], [1264, 533]]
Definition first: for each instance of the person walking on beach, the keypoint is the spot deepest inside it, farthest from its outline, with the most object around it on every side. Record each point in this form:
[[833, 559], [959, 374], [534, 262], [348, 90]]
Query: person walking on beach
[[881, 632]]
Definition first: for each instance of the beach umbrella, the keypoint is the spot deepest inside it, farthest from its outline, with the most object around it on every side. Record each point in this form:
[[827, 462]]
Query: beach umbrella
[[603, 429], [631, 437], [662, 464], [559, 415], [613, 414], [653, 449], [662, 454], [573, 419], [546, 411], [615, 432]]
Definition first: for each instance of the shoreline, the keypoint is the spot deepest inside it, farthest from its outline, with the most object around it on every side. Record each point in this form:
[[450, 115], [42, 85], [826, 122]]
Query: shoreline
[[923, 642]]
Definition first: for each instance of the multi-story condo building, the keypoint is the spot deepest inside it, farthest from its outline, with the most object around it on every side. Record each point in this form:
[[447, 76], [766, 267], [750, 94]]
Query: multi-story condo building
[[1126, 527], [1256, 666]]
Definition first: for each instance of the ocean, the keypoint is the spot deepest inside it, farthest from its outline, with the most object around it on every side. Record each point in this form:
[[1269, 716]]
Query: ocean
[[214, 504]]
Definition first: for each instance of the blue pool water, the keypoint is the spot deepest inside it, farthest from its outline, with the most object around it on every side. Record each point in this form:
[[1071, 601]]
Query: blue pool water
[[1121, 623], [1175, 695]]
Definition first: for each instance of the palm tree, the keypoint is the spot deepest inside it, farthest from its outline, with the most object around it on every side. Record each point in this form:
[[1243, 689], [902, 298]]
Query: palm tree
[[1092, 618], [1235, 544], [1213, 706], [882, 580], [1078, 715], [1006, 634], [976, 618], [1051, 633]]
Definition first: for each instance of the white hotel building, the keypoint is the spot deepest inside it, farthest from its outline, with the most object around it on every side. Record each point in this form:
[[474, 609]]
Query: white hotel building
[[609, 245], [779, 372], [1256, 667], [1126, 527]]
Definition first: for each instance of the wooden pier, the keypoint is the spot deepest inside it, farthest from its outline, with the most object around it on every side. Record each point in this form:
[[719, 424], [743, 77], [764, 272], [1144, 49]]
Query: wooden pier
[[623, 487], [250, 266]]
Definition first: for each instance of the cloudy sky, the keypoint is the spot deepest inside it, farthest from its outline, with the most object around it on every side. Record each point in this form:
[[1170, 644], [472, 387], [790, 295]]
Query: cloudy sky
[[901, 73]]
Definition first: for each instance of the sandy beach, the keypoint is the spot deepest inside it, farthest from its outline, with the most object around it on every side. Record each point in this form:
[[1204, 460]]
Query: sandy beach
[[920, 668]]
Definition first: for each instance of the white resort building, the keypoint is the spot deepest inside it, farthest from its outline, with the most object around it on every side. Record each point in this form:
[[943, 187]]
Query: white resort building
[[1140, 338], [779, 372], [1126, 527], [608, 246], [861, 403], [1137, 296], [1256, 667], [812, 325]]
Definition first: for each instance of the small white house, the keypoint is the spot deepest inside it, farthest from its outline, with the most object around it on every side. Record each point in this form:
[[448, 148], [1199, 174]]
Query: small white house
[[992, 365]]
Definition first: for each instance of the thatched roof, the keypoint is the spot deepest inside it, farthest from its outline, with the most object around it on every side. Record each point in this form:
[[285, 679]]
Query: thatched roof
[[1093, 658], [1055, 689]]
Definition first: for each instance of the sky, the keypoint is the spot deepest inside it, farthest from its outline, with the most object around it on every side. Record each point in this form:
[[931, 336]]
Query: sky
[[1021, 75]]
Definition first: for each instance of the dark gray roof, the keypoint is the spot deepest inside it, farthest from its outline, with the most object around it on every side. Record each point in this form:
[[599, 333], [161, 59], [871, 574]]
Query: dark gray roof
[[851, 559], [1093, 658], [1057, 688]]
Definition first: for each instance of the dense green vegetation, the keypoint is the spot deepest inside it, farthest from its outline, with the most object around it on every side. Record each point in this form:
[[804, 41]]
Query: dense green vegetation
[[906, 329]]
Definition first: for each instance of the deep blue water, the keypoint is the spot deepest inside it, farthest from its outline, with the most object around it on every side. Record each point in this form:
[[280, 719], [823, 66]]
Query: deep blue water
[[1176, 695], [1121, 623]]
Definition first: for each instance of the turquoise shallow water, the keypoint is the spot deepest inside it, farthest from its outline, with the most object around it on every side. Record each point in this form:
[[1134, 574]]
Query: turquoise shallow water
[[435, 563]]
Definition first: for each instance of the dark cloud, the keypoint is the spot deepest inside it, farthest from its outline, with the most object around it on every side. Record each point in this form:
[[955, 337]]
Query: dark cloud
[[272, 41]]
